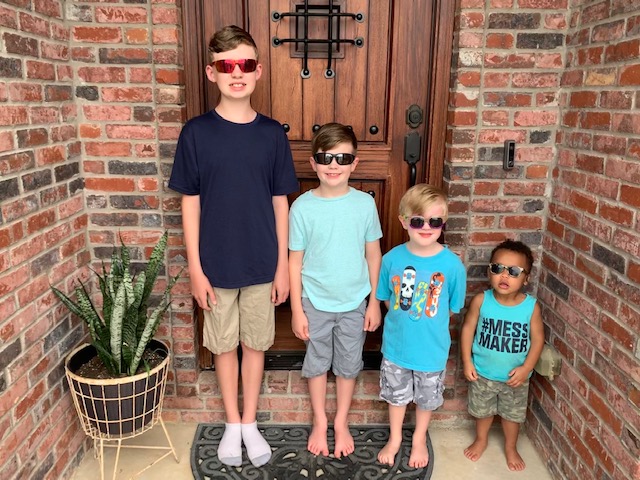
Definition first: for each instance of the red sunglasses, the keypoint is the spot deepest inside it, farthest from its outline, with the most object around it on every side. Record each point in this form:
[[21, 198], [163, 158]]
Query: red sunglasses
[[246, 65]]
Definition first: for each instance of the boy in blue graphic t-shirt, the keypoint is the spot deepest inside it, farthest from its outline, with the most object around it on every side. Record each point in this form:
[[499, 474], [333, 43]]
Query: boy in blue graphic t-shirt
[[421, 283], [501, 341]]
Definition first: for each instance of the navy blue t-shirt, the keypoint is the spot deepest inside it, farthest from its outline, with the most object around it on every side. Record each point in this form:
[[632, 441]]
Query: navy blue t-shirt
[[236, 169]]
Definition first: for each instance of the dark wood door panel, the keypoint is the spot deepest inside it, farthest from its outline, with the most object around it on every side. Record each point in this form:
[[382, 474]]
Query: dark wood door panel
[[404, 60]]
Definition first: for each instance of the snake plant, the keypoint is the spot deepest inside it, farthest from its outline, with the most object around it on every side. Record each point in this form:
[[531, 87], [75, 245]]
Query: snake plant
[[121, 334]]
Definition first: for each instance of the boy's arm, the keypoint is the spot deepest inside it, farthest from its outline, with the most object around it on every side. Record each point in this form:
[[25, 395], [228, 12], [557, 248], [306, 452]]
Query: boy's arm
[[299, 321], [200, 286], [280, 289], [467, 333], [520, 374], [373, 316]]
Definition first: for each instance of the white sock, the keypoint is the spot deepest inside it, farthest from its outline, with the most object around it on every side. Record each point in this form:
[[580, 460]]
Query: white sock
[[258, 450], [230, 447]]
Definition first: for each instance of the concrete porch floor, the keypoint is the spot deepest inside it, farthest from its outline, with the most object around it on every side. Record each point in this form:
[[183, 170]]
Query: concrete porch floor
[[448, 446]]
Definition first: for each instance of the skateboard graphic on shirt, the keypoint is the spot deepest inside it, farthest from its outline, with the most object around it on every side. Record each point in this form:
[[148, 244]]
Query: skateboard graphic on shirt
[[395, 281], [435, 289], [419, 301], [407, 287]]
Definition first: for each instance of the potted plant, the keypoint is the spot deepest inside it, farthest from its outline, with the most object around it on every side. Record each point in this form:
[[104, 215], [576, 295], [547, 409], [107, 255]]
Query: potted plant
[[117, 381]]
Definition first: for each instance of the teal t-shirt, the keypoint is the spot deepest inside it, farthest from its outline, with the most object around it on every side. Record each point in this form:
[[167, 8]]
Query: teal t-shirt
[[333, 233], [422, 292], [502, 339]]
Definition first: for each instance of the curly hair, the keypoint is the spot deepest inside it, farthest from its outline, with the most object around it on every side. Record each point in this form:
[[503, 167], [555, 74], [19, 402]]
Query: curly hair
[[517, 247]]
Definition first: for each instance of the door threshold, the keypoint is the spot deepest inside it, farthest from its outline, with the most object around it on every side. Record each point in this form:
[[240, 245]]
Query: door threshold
[[292, 360]]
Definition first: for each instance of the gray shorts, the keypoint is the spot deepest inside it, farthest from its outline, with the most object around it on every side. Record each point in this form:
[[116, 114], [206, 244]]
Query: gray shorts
[[335, 339], [488, 398], [400, 386]]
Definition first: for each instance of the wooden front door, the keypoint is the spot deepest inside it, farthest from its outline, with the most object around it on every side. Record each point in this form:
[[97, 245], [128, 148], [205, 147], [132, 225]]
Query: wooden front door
[[380, 66]]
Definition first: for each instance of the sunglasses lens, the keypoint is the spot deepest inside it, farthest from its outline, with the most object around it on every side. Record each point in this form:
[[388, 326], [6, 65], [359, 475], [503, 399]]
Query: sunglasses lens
[[344, 158], [436, 222], [514, 272], [249, 65], [496, 268], [323, 158], [246, 65], [416, 222]]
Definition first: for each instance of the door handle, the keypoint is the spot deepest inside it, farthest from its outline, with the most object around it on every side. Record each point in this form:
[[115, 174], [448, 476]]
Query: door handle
[[412, 144]]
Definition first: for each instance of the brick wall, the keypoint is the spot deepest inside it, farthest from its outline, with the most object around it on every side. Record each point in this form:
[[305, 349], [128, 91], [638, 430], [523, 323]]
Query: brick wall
[[91, 104], [587, 422], [42, 239]]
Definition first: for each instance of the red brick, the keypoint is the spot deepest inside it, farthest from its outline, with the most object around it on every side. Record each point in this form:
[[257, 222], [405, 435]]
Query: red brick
[[630, 195], [140, 75], [619, 215], [468, 78], [97, 34], [120, 15], [102, 74], [110, 184], [13, 115], [521, 222], [136, 36], [139, 132], [125, 94], [630, 75], [167, 35], [40, 70], [108, 149]]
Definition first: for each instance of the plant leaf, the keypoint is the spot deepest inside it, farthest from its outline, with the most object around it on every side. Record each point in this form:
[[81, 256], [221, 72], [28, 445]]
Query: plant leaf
[[119, 306]]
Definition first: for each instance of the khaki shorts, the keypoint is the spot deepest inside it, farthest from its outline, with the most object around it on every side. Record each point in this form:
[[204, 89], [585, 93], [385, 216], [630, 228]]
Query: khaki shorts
[[244, 315], [488, 398]]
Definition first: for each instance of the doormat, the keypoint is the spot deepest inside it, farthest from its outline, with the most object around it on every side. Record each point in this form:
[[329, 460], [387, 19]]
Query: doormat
[[291, 460]]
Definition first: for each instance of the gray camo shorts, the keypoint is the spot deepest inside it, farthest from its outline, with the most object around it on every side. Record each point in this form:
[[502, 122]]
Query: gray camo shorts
[[400, 386]]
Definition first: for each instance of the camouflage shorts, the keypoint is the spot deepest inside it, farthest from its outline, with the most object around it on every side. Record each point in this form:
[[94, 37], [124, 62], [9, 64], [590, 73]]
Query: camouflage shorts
[[400, 386], [487, 398]]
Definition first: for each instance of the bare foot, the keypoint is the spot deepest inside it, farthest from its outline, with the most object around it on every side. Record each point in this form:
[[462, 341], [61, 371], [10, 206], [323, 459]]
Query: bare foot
[[344, 441], [514, 460], [317, 443], [474, 451], [388, 453], [419, 457]]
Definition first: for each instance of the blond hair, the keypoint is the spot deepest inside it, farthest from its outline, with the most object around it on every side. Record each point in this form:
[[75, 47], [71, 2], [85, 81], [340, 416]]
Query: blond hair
[[421, 197]]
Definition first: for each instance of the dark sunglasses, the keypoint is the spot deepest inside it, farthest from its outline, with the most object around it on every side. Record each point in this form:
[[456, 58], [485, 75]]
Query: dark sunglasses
[[418, 222], [498, 268], [341, 158], [246, 65]]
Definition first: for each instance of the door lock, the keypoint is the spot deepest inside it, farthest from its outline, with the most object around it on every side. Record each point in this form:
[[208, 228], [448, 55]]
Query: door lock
[[414, 116]]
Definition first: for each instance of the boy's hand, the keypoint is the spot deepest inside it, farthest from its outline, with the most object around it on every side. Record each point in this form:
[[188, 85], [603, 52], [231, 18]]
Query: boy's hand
[[372, 316], [470, 372], [280, 288], [518, 375], [202, 290], [300, 326]]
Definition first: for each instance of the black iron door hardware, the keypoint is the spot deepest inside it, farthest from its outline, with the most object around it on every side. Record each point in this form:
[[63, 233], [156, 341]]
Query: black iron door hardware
[[412, 144], [329, 14]]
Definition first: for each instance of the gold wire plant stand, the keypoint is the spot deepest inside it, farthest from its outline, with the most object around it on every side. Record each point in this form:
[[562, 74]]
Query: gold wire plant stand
[[113, 410]]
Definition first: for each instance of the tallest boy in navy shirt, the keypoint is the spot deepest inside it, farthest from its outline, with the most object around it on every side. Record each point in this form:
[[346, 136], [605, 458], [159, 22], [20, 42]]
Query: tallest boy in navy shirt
[[234, 169]]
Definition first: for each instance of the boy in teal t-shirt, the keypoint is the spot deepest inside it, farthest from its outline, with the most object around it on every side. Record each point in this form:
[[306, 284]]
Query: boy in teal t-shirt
[[334, 261], [421, 283]]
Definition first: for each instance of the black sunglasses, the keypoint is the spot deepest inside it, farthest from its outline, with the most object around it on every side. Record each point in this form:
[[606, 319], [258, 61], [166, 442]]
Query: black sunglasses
[[498, 268], [417, 222], [327, 158]]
